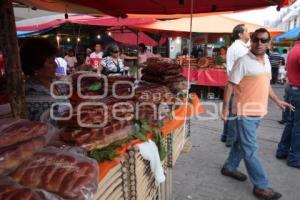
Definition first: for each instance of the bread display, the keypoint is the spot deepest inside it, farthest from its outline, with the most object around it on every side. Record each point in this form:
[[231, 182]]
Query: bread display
[[14, 155], [98, 113], [69, 175], [10, 190], [13, 131], [98, 137], [164, 73]]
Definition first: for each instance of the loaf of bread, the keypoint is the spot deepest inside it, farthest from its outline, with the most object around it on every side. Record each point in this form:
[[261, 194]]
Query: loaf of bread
[[69, 175], [96, 115], [10, 190], [100, 136], [14, 155], [13, 131]]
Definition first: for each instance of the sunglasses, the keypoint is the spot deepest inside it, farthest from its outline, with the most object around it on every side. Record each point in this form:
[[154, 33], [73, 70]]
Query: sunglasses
[[116, 51], [262, 40]]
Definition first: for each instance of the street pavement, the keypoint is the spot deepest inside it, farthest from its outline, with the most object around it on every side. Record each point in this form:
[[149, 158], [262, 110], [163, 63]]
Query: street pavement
[[197, 175]]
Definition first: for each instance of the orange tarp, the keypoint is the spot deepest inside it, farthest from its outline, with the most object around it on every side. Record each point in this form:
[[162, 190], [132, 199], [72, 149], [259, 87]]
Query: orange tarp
[[203, 24], [193, 109]]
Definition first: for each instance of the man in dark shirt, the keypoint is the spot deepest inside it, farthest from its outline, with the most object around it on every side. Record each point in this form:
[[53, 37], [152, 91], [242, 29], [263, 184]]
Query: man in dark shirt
[[276, 60], [289, 146]]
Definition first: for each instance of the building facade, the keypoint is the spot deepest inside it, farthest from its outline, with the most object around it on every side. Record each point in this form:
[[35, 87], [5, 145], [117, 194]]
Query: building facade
[[289, 18]]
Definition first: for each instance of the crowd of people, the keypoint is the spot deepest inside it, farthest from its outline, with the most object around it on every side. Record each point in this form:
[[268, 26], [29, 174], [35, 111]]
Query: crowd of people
[[43, 63], [108, 61]]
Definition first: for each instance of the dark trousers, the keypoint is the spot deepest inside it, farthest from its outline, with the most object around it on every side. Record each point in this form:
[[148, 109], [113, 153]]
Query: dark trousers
[[275, 71], [286, 97], [290, 141]]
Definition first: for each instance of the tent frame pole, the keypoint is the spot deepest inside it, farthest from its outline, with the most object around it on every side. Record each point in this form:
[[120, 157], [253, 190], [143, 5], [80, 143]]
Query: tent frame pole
[[15, 81]]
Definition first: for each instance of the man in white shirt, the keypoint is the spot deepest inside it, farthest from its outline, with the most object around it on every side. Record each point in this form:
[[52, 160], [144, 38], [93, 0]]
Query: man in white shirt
[[96, 57], [71, 60], [237, 49], [143, 54], [250, 80]]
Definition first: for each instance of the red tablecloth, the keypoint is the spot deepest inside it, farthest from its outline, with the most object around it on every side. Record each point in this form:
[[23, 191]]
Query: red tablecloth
[[207, 77]]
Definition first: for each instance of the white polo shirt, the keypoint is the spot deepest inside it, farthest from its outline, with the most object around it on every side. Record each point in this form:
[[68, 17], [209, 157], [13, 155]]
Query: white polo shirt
[[235, 51], [252, 80], [248, 65]]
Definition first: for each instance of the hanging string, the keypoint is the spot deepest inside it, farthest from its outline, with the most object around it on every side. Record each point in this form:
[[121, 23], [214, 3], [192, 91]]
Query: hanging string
[[189, 63], [78, 36]]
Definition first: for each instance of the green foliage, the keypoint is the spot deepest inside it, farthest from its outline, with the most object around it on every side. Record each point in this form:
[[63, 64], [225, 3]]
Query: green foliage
[[143, 128], [95, 87]]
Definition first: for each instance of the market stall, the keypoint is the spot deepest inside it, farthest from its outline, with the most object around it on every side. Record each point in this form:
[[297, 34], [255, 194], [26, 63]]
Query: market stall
[[37, 165], [208, 77], [206, 74]]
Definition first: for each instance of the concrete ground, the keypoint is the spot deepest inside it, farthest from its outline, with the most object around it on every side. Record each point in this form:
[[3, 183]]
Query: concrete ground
[[197, 173]]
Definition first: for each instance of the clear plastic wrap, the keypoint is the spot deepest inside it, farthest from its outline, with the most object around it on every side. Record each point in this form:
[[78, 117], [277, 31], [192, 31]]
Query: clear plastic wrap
[[66, 174], [10, 190], [12, 156], [13, 131]]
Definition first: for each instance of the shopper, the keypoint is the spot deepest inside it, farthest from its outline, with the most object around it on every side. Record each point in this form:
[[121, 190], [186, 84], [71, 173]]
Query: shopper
[[112, 63], [96, 58], [143, 54], [289, 146], [62, 65], [88, 53], [71, 61], [238, 49], [276, 61], [250, 80]]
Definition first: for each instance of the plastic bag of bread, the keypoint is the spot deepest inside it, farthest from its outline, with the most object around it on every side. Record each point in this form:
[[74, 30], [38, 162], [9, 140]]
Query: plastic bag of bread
[[10, 190], [12, 156], [69, 175], [13, 131]]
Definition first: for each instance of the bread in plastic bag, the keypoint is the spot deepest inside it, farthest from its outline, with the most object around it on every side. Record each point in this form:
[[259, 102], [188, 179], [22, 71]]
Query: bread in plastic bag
[[67, 174], [13, 131], [10, 190], [14, 155]]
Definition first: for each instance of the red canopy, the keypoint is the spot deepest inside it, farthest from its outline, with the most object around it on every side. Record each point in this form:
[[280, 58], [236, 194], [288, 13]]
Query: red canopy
[[131, 38], [85, 20], [124, 36], [123, 7]]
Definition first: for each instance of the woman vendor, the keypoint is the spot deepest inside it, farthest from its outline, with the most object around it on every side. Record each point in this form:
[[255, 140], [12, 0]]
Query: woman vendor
[[39, 66], [221, 58], [112, 63]]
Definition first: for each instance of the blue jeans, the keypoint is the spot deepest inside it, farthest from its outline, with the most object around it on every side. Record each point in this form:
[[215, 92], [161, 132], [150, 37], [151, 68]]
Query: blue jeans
[[290, 141], [285, 113], [245, 147], [228, 130]]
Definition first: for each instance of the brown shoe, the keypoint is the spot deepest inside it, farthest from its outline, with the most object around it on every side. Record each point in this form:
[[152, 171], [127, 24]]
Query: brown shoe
[[266, 194], [235, 175]]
